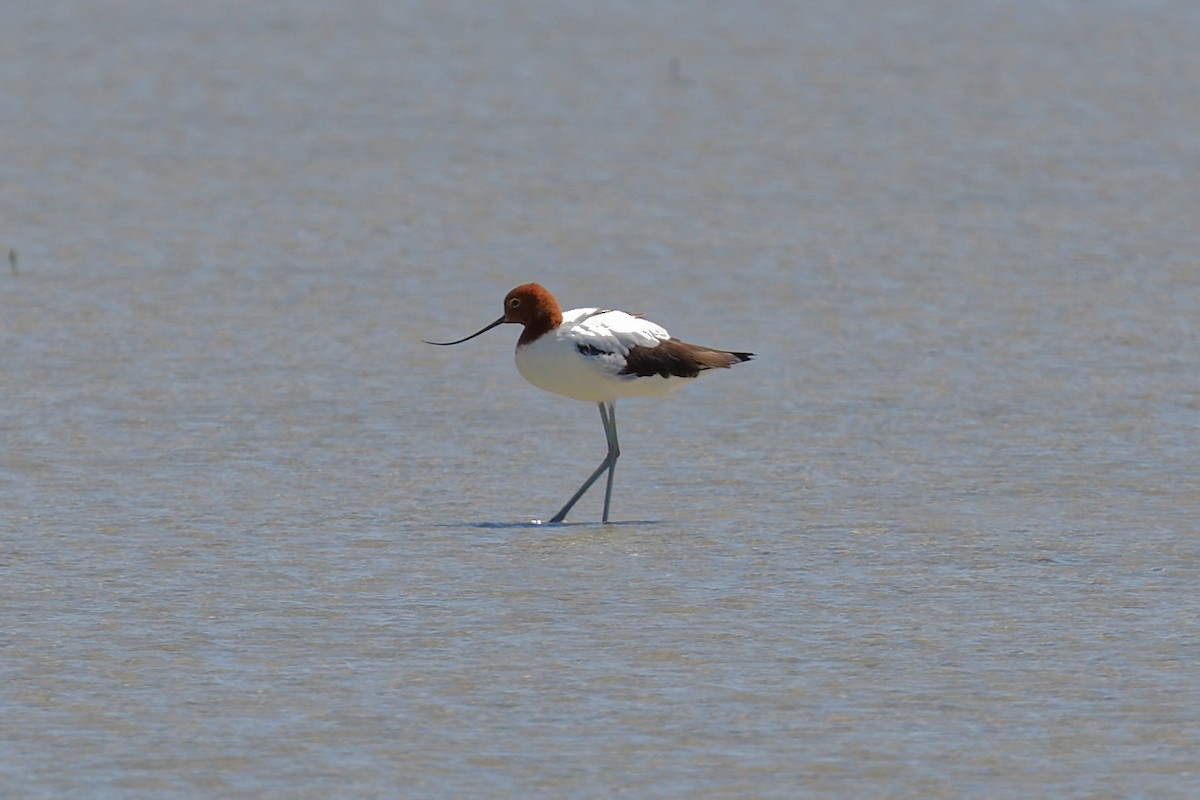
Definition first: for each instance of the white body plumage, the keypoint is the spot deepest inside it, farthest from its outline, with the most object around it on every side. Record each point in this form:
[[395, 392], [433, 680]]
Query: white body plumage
[[584, 356]]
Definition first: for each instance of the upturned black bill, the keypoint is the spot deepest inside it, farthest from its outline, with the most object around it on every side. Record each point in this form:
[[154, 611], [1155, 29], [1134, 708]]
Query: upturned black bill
[[472, 336]]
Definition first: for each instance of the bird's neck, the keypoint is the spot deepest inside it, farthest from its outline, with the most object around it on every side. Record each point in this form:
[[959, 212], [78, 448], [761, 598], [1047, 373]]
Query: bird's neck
[[544, 322]]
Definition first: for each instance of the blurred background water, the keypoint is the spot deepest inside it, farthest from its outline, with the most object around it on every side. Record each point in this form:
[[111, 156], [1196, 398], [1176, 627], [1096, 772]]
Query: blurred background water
[[939, 540]]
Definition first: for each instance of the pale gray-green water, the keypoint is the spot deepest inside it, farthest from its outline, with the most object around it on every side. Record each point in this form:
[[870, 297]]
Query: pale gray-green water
[[939, 540]]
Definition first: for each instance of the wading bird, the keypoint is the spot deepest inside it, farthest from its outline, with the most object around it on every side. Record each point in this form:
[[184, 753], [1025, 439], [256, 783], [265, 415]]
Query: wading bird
[[599, 355]]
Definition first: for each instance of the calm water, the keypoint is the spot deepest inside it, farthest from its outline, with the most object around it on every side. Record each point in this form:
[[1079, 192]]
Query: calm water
[[939, 540]]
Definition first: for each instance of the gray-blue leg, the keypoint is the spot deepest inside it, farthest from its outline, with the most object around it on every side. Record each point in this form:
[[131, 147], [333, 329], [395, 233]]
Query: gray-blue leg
[[614, 450], [608, 416]]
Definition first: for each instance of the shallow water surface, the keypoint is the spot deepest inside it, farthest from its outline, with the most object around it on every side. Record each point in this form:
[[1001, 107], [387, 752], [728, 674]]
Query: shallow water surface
[[938, 540]]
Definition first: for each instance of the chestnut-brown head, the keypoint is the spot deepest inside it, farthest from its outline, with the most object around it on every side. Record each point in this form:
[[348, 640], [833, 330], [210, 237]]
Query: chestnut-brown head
[[528, 304], [535, 308]]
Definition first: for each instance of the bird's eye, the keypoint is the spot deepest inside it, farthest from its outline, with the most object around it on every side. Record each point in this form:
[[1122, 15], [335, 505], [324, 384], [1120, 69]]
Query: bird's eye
[[514, 303]]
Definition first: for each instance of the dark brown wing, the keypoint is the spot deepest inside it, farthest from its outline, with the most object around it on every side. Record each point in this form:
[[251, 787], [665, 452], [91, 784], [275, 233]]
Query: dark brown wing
[[673, 358]]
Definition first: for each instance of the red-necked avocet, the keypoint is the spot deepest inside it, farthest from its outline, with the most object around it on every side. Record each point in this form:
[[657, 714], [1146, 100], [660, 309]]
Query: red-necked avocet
[[599, 355]]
